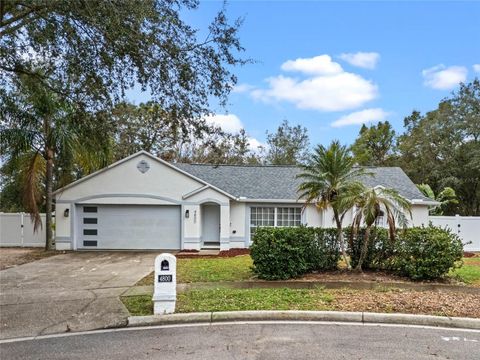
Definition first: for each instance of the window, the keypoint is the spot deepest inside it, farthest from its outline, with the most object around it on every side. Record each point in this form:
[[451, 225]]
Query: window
[[274, 216], [89, 209], [89, 220], [89, 243], [89, 231], [380, 220], [288, 216], [261, 216]]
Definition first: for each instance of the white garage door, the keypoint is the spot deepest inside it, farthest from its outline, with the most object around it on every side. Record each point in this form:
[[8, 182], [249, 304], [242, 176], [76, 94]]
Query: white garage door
[[128, 227]]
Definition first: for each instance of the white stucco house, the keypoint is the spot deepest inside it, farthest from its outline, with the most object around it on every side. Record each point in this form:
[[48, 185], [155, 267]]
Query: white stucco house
[[143, 202]]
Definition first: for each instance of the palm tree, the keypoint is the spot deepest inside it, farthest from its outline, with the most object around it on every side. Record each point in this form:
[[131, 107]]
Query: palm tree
[[38, 129], [445, 197], [369, 205], [329, 173]]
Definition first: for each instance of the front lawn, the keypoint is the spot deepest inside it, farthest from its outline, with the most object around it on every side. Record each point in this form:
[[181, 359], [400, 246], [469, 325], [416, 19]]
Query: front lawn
[[236, 268], [387, 300], [469, 273], [239, 269]]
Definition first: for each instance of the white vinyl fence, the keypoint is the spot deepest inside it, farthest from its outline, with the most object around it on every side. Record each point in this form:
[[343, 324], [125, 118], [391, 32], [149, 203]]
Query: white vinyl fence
[[466, 227], [16, 229]]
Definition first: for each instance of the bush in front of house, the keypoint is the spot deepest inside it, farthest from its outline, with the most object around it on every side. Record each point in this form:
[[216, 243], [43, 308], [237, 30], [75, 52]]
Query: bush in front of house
[[419, 253], [289, 252], [425, 253]]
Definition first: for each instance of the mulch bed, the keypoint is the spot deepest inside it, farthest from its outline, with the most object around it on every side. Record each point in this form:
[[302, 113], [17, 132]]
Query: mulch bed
[[234, 252], [407, 301], [194, 254]]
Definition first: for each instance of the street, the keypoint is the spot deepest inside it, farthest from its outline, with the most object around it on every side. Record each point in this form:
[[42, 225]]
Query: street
[[271, 340]]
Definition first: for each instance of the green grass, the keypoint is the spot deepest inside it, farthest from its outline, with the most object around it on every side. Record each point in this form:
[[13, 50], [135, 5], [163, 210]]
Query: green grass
[[225, 299], [210, 270], [138, 305], [470, 271]]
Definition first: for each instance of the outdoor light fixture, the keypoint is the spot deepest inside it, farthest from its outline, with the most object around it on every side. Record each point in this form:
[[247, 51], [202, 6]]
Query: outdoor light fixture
[[187, 214], [66, 212]]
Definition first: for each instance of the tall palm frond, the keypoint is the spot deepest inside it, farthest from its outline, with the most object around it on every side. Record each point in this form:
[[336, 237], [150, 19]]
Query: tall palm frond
[[329, 173], [33, 174]]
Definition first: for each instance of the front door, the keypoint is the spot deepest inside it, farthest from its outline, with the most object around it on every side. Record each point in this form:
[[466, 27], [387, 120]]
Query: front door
[[211, 225]]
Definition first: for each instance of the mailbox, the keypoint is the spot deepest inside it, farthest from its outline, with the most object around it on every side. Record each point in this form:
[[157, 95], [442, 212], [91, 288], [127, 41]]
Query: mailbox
[[165, 286]]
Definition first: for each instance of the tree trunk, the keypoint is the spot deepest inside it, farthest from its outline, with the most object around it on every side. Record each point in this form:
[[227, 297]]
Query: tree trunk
[[49, 198], [340, 238], [363, 252]]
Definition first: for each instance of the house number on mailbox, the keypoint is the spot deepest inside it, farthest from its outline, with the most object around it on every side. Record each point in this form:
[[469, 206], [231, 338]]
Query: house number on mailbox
[[164, 278]]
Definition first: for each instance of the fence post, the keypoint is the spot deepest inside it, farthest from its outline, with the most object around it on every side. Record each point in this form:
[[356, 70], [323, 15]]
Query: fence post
[[21, 229]]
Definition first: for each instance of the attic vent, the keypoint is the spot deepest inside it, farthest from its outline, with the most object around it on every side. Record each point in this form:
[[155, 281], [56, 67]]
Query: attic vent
[[143, 166]]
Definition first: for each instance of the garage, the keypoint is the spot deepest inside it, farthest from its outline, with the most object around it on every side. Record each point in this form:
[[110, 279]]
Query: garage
[[128, 226]]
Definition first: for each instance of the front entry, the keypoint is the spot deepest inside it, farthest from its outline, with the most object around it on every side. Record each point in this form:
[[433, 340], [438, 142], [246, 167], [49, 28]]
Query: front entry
[[210, 226]]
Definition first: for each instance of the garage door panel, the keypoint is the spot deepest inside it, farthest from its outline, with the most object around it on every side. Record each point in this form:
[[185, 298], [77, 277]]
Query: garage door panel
[[131, 227]]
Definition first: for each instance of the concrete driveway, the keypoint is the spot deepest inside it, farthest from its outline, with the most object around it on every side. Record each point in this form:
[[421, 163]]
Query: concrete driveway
[[70, 292]]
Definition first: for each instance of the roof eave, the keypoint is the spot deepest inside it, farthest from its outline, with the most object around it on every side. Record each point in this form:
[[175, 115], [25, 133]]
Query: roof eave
[[424, 202]]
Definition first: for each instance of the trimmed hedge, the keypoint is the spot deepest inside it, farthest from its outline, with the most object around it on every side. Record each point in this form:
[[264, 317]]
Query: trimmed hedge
[[426, 253], [423, 253], [284, 253], [419, 253]]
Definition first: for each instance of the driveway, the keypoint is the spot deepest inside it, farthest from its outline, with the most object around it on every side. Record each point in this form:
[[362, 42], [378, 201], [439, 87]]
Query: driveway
[[70, 292]]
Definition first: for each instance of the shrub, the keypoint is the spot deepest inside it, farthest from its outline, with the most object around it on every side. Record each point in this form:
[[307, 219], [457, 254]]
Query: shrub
[[425, 253], [420, 253], [379, 252], [284, 253]]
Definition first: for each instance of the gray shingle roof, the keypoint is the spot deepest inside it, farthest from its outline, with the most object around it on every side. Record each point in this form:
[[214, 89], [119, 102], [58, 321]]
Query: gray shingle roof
[[280, 182]]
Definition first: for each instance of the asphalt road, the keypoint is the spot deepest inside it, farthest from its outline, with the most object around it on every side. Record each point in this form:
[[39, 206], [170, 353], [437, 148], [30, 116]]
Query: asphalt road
[[279, 340]]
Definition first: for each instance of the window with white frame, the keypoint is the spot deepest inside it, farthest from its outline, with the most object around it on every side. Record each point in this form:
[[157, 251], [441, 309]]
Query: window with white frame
[[380, 220], [274, 216], [289, 216]]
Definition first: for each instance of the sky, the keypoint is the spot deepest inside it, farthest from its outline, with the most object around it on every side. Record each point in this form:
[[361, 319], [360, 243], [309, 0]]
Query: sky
[[332, 66]]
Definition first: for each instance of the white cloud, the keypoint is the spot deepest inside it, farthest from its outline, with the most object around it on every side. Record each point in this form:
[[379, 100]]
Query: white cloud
[[321, 65], [476, 68], [327, 86], [254, 144], [444, 78], [325, 93], [241, 88], [232, 124], [228, 122], [361, 117], [366, 60]]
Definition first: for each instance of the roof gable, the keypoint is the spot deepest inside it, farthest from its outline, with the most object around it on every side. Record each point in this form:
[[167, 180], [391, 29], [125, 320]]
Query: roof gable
[[133, 156]]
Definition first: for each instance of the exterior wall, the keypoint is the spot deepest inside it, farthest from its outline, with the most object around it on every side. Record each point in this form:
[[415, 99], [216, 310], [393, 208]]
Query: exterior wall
[[208, 195], [238, 225], [126, 179], [124, 184], [419, 216], [312, 216]]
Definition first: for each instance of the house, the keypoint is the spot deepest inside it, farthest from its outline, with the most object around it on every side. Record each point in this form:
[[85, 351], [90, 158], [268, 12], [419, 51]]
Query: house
[[143, 202]]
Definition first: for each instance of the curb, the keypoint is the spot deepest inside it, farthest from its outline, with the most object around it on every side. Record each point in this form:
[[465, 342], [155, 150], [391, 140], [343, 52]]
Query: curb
[[293, 315]]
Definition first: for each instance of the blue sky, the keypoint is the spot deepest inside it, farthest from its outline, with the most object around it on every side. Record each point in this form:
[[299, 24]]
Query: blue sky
[[330, 66]]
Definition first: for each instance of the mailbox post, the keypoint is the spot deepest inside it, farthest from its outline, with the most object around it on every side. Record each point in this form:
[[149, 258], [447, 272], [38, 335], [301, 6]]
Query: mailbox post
[[165, 285]]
